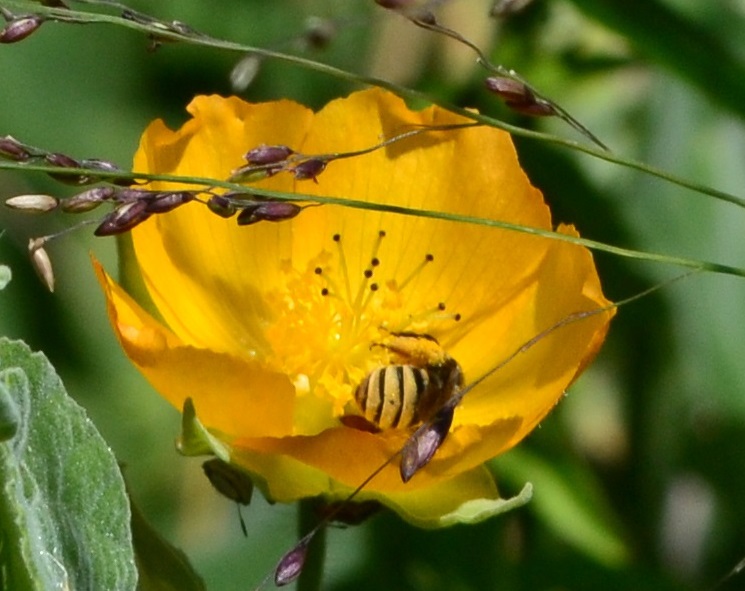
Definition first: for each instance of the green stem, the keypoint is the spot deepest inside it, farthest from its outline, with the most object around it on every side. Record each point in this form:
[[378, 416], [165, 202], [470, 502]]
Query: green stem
[[711, 267], [166, 31], [312, 574]]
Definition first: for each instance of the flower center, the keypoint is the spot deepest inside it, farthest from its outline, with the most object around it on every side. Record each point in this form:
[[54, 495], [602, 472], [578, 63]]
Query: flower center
[[327, 319]]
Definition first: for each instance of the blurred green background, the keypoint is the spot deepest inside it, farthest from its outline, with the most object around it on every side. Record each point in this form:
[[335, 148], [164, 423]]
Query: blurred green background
[[640, 472]]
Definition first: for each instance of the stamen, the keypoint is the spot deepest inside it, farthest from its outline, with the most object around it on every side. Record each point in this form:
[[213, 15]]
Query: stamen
[[343, 265], [362, 298], [330, 288], [374, 260], [418, 269], [434, 314]]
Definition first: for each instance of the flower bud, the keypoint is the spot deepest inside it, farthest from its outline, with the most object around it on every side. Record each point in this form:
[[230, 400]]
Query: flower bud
[[245, 71], [319, 32], [268, 211], [229, 481], [309, 169], [165, 202], [123, 218], [221, 205], [64, 161], [20, 28], [87, 200], [41, 262], [292, 563], [106, 166], [12, 149], [518, 97], [127, 195], [264, 154], [251, 174], [33, 203]]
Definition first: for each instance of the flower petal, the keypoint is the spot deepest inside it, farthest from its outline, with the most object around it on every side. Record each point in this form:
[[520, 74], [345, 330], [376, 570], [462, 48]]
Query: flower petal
[[234, 396], [485, 292]]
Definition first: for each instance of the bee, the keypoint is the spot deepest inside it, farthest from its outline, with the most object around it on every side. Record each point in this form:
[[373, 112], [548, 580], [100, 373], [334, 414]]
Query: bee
[[409, 392]]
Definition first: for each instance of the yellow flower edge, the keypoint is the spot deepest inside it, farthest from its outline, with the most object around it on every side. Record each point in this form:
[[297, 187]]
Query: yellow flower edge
[[244, 318]]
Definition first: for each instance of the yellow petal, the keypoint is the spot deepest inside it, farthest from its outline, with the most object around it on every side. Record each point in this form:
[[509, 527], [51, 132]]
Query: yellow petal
[[235, 396], [482, 292]]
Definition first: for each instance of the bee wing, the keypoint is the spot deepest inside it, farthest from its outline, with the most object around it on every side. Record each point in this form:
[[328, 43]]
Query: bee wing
[[424, 442]]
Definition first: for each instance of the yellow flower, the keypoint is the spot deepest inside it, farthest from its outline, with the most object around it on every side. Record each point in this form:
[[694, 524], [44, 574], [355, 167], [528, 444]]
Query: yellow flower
[[269, 328]]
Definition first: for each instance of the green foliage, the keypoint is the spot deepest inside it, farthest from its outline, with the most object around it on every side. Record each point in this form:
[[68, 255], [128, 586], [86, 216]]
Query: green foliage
[[160, 566], [64, 515], [569, 502], [659, 81], [5, 276]]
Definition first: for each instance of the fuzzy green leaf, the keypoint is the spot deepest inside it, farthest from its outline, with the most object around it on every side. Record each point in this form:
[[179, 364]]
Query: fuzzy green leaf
[[64, 515], [478, 510]]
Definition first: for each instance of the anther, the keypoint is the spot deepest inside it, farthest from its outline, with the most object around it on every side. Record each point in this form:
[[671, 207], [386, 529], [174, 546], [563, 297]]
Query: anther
[[318, 271], [336, 237], [374, 287], [441, 306], [457, 317], [325, 291], [375, 261], [427, 259], [368, 273]]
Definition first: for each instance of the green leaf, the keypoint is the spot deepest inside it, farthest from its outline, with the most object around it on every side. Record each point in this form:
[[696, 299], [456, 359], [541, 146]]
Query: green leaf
[[679, 44], [64, 515], [478, 510], [161, 566], [195, 439], [569, 504], [5, 276]]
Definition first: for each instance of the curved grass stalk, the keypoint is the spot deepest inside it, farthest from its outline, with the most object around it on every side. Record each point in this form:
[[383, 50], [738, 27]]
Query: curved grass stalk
[[176, 31], [208, 184]]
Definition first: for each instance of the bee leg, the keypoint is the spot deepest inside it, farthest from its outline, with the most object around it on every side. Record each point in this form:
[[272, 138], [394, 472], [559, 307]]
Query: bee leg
[[359, 423]]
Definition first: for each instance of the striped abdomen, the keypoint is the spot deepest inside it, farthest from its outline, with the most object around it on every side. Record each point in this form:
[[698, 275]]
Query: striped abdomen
[[391, 396]]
